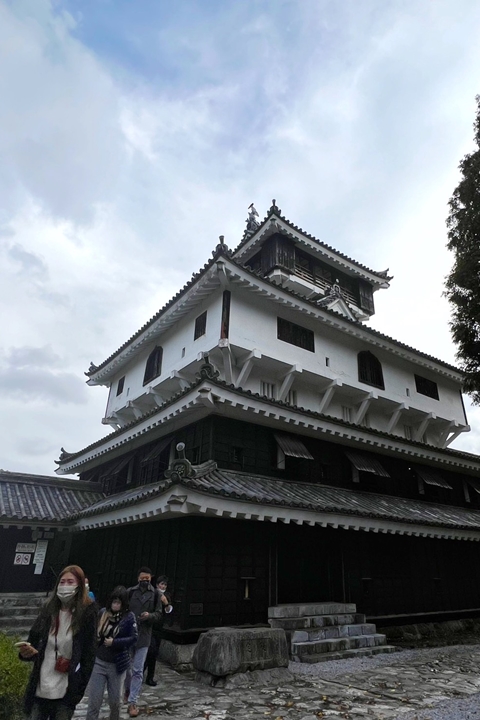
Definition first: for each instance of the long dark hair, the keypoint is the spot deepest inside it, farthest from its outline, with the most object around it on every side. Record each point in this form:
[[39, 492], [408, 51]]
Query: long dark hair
[[77, 606]]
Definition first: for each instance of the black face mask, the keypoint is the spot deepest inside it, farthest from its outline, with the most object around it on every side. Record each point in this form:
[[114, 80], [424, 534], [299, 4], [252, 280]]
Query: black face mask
[[144, 585]]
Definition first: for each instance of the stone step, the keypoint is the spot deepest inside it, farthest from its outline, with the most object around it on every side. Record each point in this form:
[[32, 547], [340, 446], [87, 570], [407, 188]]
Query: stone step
[[18, 621], [7, 612], [344, 654], [335, 631], [317, 621], [14, 599], [296, 610], [338, 644]]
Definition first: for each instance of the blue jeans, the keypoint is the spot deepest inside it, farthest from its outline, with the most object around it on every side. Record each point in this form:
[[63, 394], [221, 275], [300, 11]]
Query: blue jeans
[[104, 673], [134, 682]]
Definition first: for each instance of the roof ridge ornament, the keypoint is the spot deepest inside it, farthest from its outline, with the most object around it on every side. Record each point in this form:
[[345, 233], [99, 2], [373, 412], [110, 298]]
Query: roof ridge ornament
[[207, 371], [91, 369], [252, 223], [222, 247], [64, 455], [180, 467], [274, 209]]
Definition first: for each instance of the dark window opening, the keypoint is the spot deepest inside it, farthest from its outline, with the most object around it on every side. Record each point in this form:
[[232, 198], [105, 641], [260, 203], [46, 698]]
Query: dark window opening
[[370, 370], [295, 335], [225, 325], [117, 475], [200, 325], [426, 387], [365, 295], [153, 367], [155, 462], [120, 385]]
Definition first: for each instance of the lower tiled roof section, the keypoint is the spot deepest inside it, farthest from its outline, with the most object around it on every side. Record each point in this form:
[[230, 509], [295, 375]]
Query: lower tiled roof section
[[39, 498], [258, 489]]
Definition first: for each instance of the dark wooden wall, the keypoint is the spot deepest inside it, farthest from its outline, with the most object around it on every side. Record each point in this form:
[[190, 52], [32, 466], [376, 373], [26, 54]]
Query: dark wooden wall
[[208, 560], [205, 559], [220, 439]]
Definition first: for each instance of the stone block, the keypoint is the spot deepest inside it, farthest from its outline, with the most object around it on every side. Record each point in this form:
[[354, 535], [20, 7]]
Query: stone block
[[321, 608], [289, 623], [225, 651], [178, 656], [300, 636]]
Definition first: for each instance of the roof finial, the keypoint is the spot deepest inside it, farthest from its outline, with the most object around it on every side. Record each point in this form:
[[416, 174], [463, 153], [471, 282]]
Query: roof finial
[[274, 208], [222, 239]]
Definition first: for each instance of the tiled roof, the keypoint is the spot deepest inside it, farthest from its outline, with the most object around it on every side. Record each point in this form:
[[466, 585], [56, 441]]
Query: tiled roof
[[219, 250], [223, 250], [38, 498], [246, 487], [274, 210], [448, 452]]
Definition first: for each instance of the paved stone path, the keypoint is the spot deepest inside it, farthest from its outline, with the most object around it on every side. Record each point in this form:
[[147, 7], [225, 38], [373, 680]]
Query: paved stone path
[[378, 688]]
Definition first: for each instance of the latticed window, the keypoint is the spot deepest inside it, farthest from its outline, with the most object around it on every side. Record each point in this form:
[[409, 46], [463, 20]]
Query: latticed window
[[153, 367], [295, 334], [370, 369], [426, 387], [366, 297], [200, 325]]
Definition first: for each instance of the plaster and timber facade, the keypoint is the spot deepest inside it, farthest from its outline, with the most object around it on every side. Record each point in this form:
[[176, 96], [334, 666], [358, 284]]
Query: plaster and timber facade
[[317, 451]]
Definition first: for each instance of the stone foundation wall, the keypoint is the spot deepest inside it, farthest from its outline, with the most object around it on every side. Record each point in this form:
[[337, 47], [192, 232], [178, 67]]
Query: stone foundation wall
[[447, 630]]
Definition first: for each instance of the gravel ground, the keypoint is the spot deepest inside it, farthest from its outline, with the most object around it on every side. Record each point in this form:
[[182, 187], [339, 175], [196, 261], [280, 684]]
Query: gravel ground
[[455, 709], [337, 668]]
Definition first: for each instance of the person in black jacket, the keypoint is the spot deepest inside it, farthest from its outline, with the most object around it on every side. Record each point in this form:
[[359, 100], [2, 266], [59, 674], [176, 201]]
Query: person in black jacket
[[61, 645], [117, 633], [146, 604], [152, 655]]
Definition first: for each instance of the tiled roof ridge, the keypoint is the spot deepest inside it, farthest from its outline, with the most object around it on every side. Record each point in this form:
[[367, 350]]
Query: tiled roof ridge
[[249, 393], [342, 422], [216, 474], [44, 503], [148, 492], [221, 249], [195, 483], [258, 274], [63, 483], [131, 424], [274, 210]]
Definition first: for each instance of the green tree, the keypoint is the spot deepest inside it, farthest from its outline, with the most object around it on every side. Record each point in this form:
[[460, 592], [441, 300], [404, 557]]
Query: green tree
[[463, 283]]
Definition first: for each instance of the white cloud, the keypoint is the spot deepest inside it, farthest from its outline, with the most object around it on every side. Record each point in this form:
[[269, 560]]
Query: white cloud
[[354, 116]]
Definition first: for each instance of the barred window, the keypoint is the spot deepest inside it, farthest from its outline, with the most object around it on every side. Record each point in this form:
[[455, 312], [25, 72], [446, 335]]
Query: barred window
[[153, 367], [120, 386], [200, 325], [426, 387], [295, 334], [370, 369]]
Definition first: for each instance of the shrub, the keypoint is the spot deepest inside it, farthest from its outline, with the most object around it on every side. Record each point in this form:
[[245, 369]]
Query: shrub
[[13, 679]]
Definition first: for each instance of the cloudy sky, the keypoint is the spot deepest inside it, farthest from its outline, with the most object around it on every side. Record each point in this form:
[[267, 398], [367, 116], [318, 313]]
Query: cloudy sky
[[134, 132]]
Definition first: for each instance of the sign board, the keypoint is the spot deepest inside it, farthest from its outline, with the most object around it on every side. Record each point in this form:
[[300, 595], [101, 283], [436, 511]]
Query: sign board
[[40, 552], [22, 559], [26, 547]]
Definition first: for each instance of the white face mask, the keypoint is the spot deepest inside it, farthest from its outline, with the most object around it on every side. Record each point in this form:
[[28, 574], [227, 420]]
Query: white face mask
[[66, 592]]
